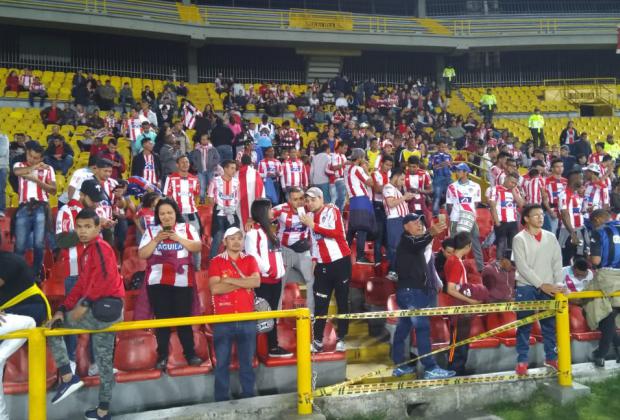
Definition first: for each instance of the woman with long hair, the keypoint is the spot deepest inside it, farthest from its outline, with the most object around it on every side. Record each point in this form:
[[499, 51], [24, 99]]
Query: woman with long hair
[[262, 243], [168, 246]]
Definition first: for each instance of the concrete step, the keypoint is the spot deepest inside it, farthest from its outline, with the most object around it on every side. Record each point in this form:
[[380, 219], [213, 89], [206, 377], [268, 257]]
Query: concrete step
[[364, 349]]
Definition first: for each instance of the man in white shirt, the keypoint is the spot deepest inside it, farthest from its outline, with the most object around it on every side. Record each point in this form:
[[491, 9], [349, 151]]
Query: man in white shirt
[[342, 102], [577, 276]]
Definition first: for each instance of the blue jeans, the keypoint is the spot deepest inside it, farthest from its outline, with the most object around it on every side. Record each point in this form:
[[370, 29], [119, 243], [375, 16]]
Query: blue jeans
[[244, 334], [225, 151], [413, 299], [551, 224], [394, 232], [27, 222], [338, 193], [62, 165], [380, 233], [325, 189], [440, 186], [547, 325], [205, 179], [3, 173]]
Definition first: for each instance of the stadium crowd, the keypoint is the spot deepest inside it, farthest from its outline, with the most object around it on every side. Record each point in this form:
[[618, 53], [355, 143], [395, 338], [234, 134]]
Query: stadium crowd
[[390, 173]]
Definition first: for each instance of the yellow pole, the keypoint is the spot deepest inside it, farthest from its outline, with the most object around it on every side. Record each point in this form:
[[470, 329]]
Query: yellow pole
[[562, 321], [37, 374], [304, 366]]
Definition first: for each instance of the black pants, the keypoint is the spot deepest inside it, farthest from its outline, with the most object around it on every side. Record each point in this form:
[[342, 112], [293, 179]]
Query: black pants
[[504, 234], [380, 233], [461, 323], [171, 302], [328, 278], [538, 136], [607, 327], [271, 293]]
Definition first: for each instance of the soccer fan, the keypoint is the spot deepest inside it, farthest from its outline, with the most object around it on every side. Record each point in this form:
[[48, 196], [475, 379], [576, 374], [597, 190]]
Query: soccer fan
[[416, 290], [381, 178], [36, 181], [224, 195], [145, 133], [499, 278], [205, 158], [534, 184], [37, 89], [147, 115], [59, 155], [573, 236], [332, 270], [597, 193], [569, 135], [461, 199], [335, 172], [440, 162], [132, 127], [498, 168], [504, 200], [395, 204], [576, 277], [146, 164], [232, 277], [318, 170], [251, 188], [599, 154], [361, 213], [270, 170], [183, 187], [289, 137], [418, 182], [118, 162], [293, 172], [555, 185], [248, 150], [538, 260], [95, 303]]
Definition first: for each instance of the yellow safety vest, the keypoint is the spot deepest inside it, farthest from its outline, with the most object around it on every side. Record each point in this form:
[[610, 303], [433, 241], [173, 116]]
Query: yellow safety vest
[[29, 292], [449, 73], [372, 158], [612, 149], [488, 100], [536, 122]]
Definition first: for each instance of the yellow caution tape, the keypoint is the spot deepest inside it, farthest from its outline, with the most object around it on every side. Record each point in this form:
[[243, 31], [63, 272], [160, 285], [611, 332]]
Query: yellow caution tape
[[336, 389], [486, 308]]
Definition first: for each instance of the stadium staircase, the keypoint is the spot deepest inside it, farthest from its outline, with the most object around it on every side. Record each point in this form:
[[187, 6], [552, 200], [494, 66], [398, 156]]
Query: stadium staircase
[[322, 67]]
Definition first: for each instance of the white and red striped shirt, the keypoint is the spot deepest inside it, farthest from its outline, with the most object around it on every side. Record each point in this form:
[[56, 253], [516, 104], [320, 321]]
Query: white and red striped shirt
[[294, 174], [573, 203], [462, 197], [104, 208], [596, 158], [251, 188], [150, 174], [133, 127], [252, 154], [380, 179], [329, 241], [555, 187], [225, 194], [356, 181], [495, 171], [165, 273], [29, 190], [419, 180], [505, 204], [270, 168], [597, 195], [183, 190], [189, 115], [290, 228], [65, 222], [571, 136], [533, 189], [401, 210], [337, 159], [79, 176], [270, 262]]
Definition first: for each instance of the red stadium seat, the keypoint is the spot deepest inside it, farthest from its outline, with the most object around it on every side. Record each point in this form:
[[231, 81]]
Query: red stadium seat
[[360, 275], [135, 356], [440, 333], [477, 327], [579, 326], [131, 266], [485, 222], [16, 372], [378, 290], [473, 276], [206, 216], [6, 242], [130, 252], [177, 364], [507, 338]]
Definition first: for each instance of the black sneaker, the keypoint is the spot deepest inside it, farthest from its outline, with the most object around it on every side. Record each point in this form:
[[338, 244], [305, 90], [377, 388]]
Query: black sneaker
[[162, 363], [194, 361], [67, 388], [598, 361], [364, 261], [92, 415], [279, 352]]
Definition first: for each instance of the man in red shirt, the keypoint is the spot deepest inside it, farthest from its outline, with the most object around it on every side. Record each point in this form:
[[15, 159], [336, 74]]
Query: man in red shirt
[[232, 277], [94, 303]]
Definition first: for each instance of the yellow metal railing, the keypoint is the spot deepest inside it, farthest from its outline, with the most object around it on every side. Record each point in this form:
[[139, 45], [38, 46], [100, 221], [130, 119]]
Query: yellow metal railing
[[37, 387]]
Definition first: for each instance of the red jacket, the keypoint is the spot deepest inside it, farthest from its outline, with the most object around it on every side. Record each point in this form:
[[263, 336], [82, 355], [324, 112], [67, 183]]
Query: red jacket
[[98, 275]]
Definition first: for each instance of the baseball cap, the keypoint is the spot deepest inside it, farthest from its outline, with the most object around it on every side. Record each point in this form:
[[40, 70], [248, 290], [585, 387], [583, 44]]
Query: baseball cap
[[314, 192], [462, 167], [232, 231], [93, 190], [412, 217], [593, 167]]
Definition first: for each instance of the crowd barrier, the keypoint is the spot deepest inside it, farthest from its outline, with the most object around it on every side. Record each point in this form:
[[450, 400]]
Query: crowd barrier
[[558, 307]]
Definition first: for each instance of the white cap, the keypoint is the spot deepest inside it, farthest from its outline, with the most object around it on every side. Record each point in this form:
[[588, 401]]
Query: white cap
[[232, 231], [593, 167]]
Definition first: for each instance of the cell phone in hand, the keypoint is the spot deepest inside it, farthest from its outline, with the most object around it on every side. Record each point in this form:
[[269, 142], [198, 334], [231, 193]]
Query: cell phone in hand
[[301, 211], [167, 228]]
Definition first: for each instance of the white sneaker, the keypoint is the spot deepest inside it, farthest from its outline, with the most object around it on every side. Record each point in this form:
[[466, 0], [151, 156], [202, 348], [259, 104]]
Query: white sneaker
[[93, 369], [73, 366], [316, 346], [392, 276], [341, 347], [2, 215]]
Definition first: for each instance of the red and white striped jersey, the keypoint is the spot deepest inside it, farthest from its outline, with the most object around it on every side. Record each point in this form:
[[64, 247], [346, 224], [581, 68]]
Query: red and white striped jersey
[[505, 203], [225, 194], [401, 210], [294, 174], [183, 190], [462, 197], [104, 208], [356, 178], [419, 180], [501, 176], [496, 171], [597, 195], [65, 222], [150, 174], [573, 203], [329, 241], [270, 168], [290, 228], [253, 156], [251, 188], [533, 189], [555, 187], [189, 115], [165, 273], [596, 158], [133, 128], [571, 136], [29, 190], [79, 176], [270, 263], [380, 179], [336, 160]]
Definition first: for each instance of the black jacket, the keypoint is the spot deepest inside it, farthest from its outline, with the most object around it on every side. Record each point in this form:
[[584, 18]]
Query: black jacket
[[221, 135], [411, 265], [137, 165], [51, 149]]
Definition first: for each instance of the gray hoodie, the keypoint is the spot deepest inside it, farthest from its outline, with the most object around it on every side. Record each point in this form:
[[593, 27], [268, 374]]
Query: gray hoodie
[[4, 151]]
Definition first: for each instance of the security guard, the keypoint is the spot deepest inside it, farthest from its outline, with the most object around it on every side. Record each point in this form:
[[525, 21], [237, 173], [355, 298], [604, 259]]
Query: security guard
[[536, 123], [488, 104], [601, 313], [448, 75]]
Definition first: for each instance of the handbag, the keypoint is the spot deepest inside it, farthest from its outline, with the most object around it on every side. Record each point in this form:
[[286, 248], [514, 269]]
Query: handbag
[[301, 246], [107, 309], [263, 325]]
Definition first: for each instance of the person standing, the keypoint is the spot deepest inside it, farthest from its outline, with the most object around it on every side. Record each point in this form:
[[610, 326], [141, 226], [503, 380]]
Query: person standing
[[538, 259], [205, 159], [361, 213], [440, 162], [270, 170], [184, 188], [416, 289], [95, 303], [448, 75], [573, 236], [380, 178], [536, 124], [293, 172], [504, 200], [224, 195], [318, 170], [335, 172], [395, 206], [4, 170], [233, 276], [418, 182], [332, 270], [488, 105], [251, 188], [555, 184], [222, 139], [146, 164]]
